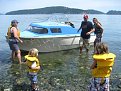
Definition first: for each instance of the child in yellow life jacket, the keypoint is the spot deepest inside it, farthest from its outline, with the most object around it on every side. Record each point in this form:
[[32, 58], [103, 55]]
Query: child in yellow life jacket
[[101, 68], [33, 67]]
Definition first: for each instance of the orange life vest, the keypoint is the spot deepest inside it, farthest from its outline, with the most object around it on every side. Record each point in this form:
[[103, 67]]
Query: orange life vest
[[9, 33]]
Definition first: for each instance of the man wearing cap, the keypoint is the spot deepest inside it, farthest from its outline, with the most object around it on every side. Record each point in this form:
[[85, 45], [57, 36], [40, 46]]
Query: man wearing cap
[[13, 35], [87, 29]]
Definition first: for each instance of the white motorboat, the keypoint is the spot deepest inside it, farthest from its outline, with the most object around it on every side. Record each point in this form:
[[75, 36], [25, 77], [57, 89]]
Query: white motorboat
[[50, 37]]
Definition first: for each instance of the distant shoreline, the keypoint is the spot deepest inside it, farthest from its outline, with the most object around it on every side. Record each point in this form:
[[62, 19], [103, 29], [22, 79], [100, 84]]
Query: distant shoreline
[[55, 9], [60, 9]]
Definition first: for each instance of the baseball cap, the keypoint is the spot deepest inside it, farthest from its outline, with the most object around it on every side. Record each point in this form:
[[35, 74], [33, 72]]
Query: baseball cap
[[86, 16], [14, 21]]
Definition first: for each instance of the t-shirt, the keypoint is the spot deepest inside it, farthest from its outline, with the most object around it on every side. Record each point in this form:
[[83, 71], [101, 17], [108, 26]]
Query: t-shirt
[[86, 27]]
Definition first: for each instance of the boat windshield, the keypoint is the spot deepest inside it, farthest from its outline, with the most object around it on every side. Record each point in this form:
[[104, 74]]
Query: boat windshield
[[39, 30]]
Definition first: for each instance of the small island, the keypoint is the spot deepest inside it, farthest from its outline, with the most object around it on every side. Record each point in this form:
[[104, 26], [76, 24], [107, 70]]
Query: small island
[[55, 9], [114, 12]]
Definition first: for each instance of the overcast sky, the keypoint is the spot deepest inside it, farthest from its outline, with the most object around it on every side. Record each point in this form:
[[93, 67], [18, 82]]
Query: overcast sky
[[101, 5]]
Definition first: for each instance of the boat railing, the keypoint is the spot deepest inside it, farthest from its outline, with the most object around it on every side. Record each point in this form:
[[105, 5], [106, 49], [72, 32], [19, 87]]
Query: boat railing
[[58, 17]]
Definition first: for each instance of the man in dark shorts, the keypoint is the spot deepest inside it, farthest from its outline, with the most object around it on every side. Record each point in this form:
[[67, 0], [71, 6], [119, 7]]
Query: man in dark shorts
[[87, 29]]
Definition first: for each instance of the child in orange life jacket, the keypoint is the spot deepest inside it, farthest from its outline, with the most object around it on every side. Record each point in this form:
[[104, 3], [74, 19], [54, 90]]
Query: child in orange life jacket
[[33, 66], [101, 68]]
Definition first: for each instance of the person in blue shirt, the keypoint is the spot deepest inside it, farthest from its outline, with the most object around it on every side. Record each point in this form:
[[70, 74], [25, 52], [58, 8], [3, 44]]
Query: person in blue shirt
[[87, 29]]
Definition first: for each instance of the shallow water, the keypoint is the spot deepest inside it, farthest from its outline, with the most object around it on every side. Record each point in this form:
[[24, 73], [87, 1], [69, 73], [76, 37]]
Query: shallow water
[[64, 70]]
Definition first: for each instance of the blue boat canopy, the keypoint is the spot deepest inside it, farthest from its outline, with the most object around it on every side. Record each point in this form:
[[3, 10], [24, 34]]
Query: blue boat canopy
[[49, 28]]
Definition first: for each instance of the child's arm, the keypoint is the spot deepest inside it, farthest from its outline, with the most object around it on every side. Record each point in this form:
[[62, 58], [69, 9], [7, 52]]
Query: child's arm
[[24, 62], [37, 67], [94, 64], [34, 66]]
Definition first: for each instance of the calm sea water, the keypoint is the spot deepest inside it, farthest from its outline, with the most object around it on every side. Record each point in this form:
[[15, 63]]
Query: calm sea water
[[64, 70]]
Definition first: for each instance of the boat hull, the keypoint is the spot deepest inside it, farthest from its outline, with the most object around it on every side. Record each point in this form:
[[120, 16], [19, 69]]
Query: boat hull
[[52, 44]]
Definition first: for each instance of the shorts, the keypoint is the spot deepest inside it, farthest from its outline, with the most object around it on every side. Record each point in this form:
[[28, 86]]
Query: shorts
[[86, 43], [99, 84], [13, 46], [33, 78]]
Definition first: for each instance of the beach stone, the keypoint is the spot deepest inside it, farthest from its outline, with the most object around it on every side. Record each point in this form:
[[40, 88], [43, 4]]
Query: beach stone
[[67, 90], [7, 89]]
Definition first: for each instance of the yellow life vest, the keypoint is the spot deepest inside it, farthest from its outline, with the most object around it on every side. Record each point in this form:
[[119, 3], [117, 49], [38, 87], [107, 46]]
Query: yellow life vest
[[30, 60], [104, 64], [9, 33]]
